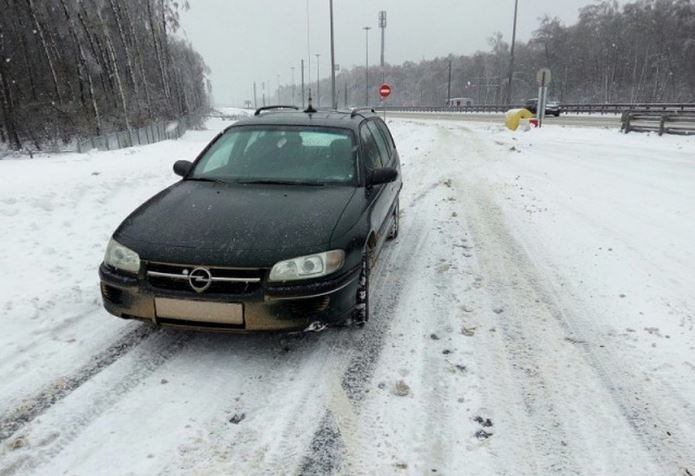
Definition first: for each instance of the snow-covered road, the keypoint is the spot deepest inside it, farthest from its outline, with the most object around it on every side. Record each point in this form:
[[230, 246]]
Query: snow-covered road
[[535, 316]]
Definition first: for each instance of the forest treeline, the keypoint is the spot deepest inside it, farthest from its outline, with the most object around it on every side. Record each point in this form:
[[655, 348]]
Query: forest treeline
[[72, 68], [643, 51]]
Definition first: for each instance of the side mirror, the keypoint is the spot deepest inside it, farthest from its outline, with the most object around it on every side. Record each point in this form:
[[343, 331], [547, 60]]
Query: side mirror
[[182, 167], [382, 175]]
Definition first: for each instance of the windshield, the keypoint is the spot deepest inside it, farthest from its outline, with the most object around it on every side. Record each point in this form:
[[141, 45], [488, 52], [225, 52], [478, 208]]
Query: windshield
[[284, 154]]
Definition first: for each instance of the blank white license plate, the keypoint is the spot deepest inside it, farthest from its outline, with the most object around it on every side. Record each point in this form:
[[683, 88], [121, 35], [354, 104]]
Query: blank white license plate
[[200, 311]]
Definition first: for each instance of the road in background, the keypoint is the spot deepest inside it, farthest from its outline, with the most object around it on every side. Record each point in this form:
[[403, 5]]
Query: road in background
[[608, 121]]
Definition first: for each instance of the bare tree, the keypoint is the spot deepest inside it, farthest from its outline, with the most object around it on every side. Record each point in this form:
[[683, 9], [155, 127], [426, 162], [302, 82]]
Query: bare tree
[[72, 68]]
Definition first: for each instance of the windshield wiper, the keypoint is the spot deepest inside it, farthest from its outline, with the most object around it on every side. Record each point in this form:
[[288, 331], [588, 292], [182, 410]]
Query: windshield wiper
[[206, 179], [280, 182]]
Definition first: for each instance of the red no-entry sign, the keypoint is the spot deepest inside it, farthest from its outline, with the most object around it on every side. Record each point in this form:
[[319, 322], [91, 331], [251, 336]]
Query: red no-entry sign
[[384, 90]]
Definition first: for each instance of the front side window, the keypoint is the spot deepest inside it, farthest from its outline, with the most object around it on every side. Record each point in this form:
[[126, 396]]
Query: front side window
[[370, 150], [386, 133], [280, 153], [380, 142]]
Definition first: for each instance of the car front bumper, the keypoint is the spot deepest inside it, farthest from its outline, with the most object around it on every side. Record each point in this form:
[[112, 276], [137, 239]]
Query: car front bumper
[[287, 307]]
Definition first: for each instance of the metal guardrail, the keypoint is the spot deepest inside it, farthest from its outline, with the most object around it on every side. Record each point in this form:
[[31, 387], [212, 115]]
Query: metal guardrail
[[459, 109], [620, 108], [669, 123], [609, 108]]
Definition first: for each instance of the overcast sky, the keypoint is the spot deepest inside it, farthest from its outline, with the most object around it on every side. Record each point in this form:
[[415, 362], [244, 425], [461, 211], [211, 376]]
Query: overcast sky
[[244, 41]]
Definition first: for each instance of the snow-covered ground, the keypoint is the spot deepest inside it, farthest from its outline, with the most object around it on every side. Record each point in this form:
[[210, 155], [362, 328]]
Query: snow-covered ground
[[535, 316]]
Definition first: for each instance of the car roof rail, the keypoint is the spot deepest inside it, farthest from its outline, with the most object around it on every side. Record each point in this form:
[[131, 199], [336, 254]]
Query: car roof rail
[[270, 108], [358, 110]]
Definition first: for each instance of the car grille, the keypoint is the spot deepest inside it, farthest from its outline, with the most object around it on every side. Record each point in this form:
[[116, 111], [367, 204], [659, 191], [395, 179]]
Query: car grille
[[175, 277]]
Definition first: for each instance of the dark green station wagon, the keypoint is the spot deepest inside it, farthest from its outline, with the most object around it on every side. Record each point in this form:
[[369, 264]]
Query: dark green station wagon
[[274, 227]]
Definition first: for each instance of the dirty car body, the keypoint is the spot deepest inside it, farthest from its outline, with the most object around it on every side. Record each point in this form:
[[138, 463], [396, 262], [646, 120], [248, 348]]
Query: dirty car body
[[274, 227]]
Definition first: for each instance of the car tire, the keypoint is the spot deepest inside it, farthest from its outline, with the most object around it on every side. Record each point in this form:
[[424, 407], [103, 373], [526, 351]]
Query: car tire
[[393, 233], [360, 314]]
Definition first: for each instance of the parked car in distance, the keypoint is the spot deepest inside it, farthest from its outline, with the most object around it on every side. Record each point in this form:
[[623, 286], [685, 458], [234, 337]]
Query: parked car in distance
[[274, 227], [460, 102], [552, 108]]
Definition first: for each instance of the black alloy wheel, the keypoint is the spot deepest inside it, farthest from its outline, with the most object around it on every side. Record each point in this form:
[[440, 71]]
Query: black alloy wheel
[[395, 225], [360, 314]]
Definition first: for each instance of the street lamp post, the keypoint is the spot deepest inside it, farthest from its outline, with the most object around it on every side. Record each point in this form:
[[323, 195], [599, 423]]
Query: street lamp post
[[278, 76], [293, 88], [318, 91], [334, 99], [366, 69], [511, 61], [448, 89], [382, 25], [303, 87]]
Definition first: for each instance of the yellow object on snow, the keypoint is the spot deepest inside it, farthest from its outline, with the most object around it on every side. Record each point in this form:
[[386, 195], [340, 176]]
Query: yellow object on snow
[[515, 116]]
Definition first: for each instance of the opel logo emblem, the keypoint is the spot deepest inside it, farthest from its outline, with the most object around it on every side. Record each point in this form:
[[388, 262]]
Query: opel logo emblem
[[200, 279]]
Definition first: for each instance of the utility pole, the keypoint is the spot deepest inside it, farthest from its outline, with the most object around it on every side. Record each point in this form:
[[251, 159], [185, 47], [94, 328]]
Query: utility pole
[[346, 96], [303, 98], [263, 88], [382, 25], [334, 99], [511, 61], [448, 90], [308, 43], [278, 76], [293, 86], [366, 69], [255, 96], [294, 89], [318, 90]]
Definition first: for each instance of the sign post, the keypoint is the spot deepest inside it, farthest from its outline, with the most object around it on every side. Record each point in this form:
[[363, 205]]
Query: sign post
[[384, 92], [543, 77]]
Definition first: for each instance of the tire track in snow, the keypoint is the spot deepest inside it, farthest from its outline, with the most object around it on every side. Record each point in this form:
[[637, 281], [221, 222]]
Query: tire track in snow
[[663, 432], [515, 349], [332, 448], [162, 346], [515, 280], [14, 420]]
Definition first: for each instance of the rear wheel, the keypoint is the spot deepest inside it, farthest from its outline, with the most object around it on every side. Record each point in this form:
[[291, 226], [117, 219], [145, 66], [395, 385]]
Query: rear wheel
[[393, 233]]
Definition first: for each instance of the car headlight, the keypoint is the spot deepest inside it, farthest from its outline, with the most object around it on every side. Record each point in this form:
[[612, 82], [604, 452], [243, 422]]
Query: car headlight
[[307, 267], [120, 257]]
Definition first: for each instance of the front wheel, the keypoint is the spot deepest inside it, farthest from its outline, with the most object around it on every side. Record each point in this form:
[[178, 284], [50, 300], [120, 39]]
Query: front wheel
[[360, 315], [395, 224]]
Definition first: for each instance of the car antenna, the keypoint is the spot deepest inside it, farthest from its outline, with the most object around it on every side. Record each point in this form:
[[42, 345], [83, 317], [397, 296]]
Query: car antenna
[[310, 109]]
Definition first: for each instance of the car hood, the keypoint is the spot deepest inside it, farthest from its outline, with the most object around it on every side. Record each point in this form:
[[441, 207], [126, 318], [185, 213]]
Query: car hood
[[218, 219]]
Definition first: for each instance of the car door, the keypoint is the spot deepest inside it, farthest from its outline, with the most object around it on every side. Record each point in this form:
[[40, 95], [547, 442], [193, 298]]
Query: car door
[[387, 152], [377, 195]]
